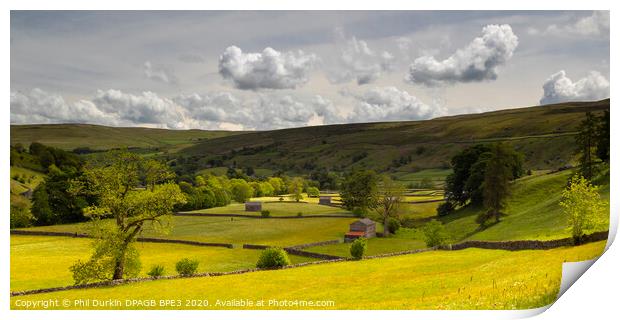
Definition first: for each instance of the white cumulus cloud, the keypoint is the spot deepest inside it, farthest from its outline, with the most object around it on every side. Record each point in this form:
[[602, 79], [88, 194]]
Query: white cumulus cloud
[[559, 88], [269, 69], [478, 61], [39, 106], [390, 104]]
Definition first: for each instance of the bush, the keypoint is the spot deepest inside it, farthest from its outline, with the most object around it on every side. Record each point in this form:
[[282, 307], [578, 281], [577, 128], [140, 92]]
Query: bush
[[359, 212], [358, 248], [300, 214], [156, 271], [393, 225], [273, 258], [313, 192], [187, 267], [20, 214], [265, 213], [445, 208], [435, 234], [281, 199]]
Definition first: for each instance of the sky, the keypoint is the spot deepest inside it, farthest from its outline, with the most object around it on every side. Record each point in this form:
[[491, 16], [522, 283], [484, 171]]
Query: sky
[[263, 70]]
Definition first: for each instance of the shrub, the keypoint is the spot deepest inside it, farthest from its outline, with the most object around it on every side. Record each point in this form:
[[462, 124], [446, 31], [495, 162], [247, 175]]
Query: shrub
[[156, 271], [359, 212], [313, 192], [281, 199], [358, 248], [435, 234], [265, 213], [20, 213], [445, 208], [393, 225], [187, 267], [273, 258], [300, 214]]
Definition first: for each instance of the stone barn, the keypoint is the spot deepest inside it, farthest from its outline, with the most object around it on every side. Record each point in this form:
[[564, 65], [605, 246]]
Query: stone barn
[[253, 206], [326, 200], [361, 228]]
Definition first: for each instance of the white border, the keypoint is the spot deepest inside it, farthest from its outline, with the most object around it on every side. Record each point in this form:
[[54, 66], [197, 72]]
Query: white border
[[593, 297]]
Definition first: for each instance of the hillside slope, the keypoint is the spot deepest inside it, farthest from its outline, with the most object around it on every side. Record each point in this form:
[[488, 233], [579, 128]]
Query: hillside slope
[[532, 212], [70, 136], [545, 134]]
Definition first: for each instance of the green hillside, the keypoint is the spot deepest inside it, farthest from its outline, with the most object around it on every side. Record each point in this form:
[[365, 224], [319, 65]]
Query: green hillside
[[544, 134], [532, 211], [70, 136]]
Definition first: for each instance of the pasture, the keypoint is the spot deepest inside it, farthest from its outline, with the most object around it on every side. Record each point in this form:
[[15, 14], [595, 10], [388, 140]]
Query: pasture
[[43, 262], [466, 279], [278, 208], [403, 240], [276, 232]]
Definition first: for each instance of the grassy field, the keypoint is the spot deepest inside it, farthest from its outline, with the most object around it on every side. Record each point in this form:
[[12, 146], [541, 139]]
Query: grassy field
[[70, 136], [467, 279], [277, 232], [403, 240], [278, 209], [532, 212], [29, 179], [43, 262]]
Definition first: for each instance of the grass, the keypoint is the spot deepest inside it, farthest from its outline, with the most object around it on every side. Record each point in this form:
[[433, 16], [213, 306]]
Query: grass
[[403, 240], [278, 209], [31, 179], [43, 262], [277, 232], [544, 135], [70, 136], [466, 279], [532, 212]]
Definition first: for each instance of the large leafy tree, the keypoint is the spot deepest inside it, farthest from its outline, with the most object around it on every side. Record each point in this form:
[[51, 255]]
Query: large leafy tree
[[133, 192], [466, 184], [296, 188], [359, 190]]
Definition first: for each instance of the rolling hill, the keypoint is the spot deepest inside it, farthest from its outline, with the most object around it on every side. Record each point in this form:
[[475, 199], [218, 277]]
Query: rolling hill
[[545, 134], [70, 136]]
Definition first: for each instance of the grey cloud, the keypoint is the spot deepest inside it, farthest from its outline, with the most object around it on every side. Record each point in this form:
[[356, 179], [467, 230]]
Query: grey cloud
[[559, 88], [146, 108], [269, 69], [593, 25], [159, 73], [390, 104], [38, 106], [265, 111], [358, 62], [478, 61]]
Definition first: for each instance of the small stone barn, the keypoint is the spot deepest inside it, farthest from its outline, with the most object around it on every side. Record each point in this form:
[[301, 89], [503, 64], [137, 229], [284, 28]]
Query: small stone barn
[[253, 206], [361, 228], [326, 200]]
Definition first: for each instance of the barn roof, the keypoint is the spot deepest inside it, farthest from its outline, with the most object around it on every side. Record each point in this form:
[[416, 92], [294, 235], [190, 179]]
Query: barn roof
[[365, 221]]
